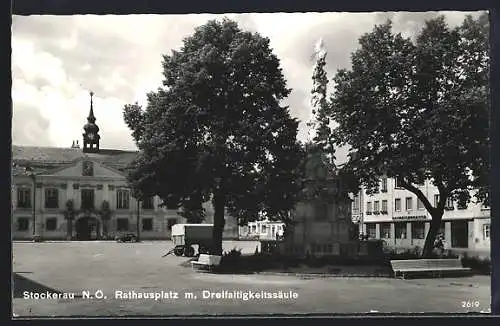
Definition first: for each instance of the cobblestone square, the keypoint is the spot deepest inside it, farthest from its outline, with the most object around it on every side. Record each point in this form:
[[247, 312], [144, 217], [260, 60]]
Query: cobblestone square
[[103, 268]]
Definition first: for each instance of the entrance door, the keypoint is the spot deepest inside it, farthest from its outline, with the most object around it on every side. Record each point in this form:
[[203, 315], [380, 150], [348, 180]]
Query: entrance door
[[93, 229], [460, 234], [87, 228]]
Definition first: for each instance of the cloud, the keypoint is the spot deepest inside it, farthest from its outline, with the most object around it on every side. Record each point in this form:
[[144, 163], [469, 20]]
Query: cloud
[[30, 127], [57, 60]]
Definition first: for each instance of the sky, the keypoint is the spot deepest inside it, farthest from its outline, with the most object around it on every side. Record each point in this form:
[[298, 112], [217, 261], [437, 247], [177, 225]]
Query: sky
[[58, 60]]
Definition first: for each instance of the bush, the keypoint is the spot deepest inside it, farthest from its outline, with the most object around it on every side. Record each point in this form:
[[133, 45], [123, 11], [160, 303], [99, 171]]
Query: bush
[[393, 254], [316, 262], [232, 253], [477, 264], [416, 253], [323, 261], [231, 258]]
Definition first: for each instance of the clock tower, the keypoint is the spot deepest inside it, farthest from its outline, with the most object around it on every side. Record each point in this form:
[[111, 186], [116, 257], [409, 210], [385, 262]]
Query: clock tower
[[91, 135]]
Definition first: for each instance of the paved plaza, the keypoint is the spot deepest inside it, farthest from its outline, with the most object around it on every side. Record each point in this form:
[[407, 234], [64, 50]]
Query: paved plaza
[[73, 267]]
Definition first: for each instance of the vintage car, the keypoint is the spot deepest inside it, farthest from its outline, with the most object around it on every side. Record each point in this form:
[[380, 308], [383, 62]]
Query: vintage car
[[126, 237]]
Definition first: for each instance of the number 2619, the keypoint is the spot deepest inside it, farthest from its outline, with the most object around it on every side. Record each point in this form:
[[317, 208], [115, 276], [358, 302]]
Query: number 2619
[[470, 304]]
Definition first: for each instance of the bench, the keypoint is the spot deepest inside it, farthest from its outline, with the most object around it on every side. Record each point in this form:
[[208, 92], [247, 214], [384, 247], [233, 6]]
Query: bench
[[436, 267], [206, 262]]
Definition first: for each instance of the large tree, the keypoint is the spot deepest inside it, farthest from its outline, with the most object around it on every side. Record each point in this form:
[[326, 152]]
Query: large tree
[[216, 129], [419, 110]]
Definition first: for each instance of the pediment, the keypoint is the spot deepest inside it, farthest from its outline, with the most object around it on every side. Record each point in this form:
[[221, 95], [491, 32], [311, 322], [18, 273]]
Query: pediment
[[87, 168]]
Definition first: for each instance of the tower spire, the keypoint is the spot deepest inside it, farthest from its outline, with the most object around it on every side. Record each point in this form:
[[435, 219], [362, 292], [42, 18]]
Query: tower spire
[[91, 117], [91, 136]]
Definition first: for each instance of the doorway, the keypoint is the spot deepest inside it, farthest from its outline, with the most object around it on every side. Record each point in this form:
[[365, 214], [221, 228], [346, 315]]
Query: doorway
[[87, 228], [460, 234]]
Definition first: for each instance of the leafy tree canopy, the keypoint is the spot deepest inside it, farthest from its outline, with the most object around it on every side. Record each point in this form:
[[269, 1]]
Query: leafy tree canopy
[[216, 128], [419, 109]]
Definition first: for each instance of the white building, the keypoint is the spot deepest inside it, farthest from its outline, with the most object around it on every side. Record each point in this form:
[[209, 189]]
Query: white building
[[45, 179], [261, 230], [398, 217]]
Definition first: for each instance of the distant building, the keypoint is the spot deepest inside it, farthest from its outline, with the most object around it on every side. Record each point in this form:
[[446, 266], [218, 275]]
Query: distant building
[[46, 178], [398, 217], [262, 230]]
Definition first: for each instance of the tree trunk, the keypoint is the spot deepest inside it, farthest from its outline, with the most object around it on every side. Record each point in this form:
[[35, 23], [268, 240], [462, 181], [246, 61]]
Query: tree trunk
[[431, 236], [219, 205]]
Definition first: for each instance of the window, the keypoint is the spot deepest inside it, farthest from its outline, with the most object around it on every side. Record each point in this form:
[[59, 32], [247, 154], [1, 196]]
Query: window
[[355, 203], [436, 200], [148, 203], [87, 198], [397, 182], [385, 230], [449, 203], [24, 197], [384, 184], [420, 204], [397, 204], [171, 222], [400, 230], [371, 230], [51, 224], [368, 207], [418, 230], [376, 206], [384, 206], [51, 198], [147, 224], [409, 203], [486, 232], [23, 224], [122, 224], [264, 229], [122, 199]]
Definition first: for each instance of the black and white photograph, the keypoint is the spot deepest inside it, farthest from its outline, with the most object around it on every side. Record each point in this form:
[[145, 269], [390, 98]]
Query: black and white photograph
[[250, 164]]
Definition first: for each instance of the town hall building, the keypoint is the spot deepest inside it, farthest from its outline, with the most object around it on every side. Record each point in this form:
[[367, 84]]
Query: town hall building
[[81, 193]]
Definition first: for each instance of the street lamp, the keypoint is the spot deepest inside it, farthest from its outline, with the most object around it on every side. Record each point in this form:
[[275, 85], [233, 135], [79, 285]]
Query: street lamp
[[138, 220], [32, 175]]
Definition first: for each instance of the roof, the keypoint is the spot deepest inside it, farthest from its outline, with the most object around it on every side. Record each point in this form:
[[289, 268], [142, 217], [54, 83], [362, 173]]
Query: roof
[[52, 157]]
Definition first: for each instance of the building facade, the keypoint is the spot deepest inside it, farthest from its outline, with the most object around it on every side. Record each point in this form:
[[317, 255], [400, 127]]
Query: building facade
[[91, 181], [262, 230], [398, 217]]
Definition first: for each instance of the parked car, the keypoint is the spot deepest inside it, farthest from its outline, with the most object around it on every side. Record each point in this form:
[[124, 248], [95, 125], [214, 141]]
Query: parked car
[[126, 237]]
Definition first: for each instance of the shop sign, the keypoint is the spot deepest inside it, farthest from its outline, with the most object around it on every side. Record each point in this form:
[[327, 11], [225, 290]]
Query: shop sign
[[410, 217]]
